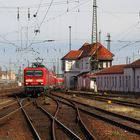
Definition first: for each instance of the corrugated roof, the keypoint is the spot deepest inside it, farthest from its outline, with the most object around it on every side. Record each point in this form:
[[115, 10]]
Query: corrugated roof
[[135, 64], [116, 69], [73, 54]]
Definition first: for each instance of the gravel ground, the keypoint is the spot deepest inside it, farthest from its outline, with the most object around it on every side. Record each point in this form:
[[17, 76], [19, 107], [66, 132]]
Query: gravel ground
[[15, 128], [101, 129]]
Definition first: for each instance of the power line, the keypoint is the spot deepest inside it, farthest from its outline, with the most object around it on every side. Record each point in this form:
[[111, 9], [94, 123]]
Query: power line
[[41, 22], [126, 45], [38, 6]]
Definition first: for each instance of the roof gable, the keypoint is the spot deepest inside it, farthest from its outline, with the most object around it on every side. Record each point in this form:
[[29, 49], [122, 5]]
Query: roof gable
[[97, 50]]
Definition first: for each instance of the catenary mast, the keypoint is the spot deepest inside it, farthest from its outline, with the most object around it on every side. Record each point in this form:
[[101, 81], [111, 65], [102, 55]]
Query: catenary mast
[[94, 35], [94, 38]]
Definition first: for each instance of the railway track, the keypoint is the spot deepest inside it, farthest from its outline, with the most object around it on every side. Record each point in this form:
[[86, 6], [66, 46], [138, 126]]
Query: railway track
[[105, 99], [9, 109], [53, 126], [12, 122], [83, 127], [40, 123], [127, 123]]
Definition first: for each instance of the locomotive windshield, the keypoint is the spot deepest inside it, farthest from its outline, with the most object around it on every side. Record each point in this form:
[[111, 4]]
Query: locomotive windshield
[[38, 73], [30, 73], [34, 73]]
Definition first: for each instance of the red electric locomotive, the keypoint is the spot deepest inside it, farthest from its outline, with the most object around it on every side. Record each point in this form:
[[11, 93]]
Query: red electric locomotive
[[38, 79]]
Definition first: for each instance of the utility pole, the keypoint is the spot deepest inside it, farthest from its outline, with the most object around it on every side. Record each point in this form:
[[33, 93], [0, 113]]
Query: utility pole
[[100, 36], [94, 35], [58, 65], [108, 41], [69, 38]]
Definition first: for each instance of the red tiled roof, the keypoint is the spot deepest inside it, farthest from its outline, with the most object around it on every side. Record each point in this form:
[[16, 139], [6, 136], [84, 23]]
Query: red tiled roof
[[74, 54], [135, 64], [116, 69], [97, 50], [86, 48]]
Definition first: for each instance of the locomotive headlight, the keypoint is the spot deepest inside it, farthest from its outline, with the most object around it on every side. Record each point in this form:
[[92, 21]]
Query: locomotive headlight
[[41, 83], [27, 83], [29, 80], [39, 80]]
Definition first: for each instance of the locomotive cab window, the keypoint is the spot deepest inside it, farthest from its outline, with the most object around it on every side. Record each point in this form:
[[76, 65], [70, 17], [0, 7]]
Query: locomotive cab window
[[34, 73], [30, 73], [38, 73]]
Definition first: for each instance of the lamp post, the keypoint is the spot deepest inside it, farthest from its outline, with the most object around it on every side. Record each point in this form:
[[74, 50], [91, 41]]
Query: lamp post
[[69, 38]]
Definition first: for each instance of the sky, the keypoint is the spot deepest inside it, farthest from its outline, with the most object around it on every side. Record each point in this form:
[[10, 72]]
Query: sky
[[20, 45]]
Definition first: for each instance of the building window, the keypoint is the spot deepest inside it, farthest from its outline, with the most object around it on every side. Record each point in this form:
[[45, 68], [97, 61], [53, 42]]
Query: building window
[[138, 81], [126, 81], [115, 81], [109, 80], [101, 81], [105, 81], [129, 80], [82, 64], [120, 81], [70, 65], [123, 81], [63, 65], [112, 81], [77, 64], [104, 64]]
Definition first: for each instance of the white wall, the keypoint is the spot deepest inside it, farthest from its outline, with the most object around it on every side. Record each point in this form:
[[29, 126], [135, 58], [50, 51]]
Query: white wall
[[67, 77], [110, 82], [129, 81], [137, 80]]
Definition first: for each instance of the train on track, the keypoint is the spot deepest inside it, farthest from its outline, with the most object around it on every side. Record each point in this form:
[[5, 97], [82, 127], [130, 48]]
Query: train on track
[[38, 79]]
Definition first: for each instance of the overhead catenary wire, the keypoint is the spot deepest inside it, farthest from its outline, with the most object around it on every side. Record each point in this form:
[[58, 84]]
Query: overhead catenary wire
[[38, 8], [129, 43], [42, 5], [41, 23], [53, 18]]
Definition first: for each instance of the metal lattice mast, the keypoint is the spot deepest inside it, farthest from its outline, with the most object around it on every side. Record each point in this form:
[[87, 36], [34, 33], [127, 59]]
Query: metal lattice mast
[[94, 35]]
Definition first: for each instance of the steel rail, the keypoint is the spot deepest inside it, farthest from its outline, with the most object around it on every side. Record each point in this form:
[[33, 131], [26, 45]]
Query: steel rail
[[53, 123], [34, 132], [87, 133], [8, 105], [116, 123], [92, 113], [100, 98], [126, 103], [13, 112], [105, 111], [71, 134]]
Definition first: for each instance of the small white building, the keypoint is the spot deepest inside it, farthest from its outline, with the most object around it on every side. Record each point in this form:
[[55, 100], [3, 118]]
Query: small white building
[[7, 75], [110, 79], [77, 63], [119, 78], [71, 68]]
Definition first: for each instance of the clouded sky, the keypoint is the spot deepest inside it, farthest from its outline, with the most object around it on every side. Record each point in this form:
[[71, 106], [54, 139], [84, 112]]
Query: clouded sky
[[19, 43]]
